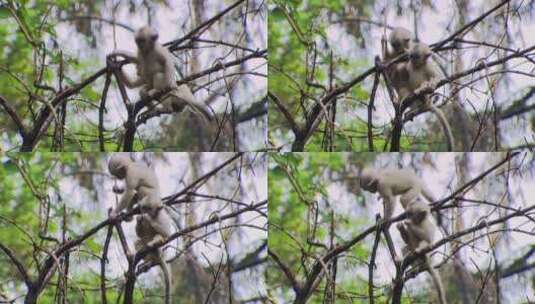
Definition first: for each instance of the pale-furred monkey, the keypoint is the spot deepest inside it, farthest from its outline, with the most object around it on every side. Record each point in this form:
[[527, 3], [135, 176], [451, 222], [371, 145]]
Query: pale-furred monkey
[[141, 183], [418, 232], [150, 231], [393, 182], [400, 40], [423, 74], [156, 72]]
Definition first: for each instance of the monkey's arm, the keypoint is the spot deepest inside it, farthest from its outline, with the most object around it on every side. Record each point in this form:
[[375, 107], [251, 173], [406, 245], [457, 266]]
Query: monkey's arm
[[169, 70], [388, 201], [126, 55], [427, 194], [127, 198], [125, 201], [130, 83], [433, 75], [167, 73], [404, 233], [162, 224], [423, 233], [384, 47]]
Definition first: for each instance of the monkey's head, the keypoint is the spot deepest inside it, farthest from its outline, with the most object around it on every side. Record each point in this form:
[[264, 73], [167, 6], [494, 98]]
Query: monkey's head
[[369, 180], [117, 165], [146, 38], [400, 39], [419, 53], [417, 211]]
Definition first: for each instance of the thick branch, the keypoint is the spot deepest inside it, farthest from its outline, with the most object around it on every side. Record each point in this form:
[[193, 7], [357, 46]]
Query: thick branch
[[18, 264]]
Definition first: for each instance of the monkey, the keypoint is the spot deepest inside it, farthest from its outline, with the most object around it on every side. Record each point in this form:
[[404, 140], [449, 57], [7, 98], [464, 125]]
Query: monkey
[[141, 185], [155, 72], [150, 231], [423, 74], [400, 41], [418, 233], [391, 182]]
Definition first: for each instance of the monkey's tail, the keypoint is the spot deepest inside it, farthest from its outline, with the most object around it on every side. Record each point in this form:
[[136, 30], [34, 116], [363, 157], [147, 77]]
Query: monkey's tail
[[167, 280], [201, 111], [445, 126], [184, 93], [436, 280]]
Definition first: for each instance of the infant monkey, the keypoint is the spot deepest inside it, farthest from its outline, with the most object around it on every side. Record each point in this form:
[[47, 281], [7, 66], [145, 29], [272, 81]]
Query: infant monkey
[[154, 224], [424, 74], [418, 233], [141, 185], [156, 72], [400, 41], [149, 236]]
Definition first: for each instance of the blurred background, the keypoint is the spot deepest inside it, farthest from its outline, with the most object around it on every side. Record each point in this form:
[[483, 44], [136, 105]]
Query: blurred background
[[317, 47], [317, 209], [47, 199], [48, 46]]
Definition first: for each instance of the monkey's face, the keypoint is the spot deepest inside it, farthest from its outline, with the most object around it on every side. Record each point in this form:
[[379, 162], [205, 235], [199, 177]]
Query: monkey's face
[[369, 180], [400, 39], [146, 38], [117, 165], [400, 45], [419, 54], [369, 183], [417, 213]]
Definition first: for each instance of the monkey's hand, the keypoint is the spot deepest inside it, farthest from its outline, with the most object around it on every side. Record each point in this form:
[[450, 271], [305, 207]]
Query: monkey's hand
[[126, 55], [144, 267], [398, 261], [112, 213], [422, 247], [112, 63], [427, 87], [411, 113]]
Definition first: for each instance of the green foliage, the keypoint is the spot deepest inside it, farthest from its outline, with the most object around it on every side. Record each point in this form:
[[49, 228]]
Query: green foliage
[[29, 182], [297, 33], [296, 183]]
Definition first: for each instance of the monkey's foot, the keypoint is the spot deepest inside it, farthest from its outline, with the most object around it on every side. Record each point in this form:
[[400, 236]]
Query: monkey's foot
[[144, 267], [112, 63], [143, 117], [420, 249], [398, 262], [178, 107], [411, 114]]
